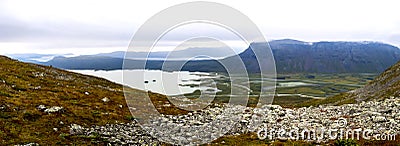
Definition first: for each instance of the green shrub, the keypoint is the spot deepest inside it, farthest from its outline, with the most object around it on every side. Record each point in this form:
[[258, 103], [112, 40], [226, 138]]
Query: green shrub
[[31, 116], [130, 118], [5, 115], [346, 142], [4, 94]]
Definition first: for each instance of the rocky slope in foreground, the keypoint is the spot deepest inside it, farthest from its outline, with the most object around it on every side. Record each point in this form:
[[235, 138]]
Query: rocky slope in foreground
[[380, 119], [39, 103]]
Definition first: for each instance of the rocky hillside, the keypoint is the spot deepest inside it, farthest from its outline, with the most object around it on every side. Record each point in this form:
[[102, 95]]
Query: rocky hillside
[[39, 104], [381, 118]]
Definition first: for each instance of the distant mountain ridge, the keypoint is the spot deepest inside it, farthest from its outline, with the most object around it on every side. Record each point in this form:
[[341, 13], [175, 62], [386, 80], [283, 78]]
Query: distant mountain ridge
[[218, 52], [291, 56], [35, 58], [333, 57]]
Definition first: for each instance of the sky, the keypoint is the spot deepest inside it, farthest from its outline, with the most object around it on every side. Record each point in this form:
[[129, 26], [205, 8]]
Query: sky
[[96, 26]]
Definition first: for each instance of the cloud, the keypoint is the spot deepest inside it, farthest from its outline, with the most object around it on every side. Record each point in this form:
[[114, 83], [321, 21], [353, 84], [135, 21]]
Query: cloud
[[46, 25]]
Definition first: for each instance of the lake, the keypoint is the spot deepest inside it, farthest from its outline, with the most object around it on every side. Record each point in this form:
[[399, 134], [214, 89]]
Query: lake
[[293, 84], [167, 83]]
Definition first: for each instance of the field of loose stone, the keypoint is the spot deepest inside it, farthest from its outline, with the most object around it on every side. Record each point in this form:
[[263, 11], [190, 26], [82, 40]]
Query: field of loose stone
[[375, 120]]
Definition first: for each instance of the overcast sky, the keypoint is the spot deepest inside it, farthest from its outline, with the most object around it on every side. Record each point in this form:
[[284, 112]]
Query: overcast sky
[[89, 27]]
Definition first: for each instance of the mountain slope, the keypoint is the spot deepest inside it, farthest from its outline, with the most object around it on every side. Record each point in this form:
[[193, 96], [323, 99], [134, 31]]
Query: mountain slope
[[24, 87], [39, 103], [86, 62]]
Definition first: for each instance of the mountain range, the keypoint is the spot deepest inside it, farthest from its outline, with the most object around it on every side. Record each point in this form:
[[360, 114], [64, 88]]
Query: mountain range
[[34, 57], [333, 57], [217, 52], [291, 56]]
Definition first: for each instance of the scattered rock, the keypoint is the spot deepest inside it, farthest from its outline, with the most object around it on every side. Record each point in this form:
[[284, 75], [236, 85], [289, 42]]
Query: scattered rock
[[38, 74], [379, 119], [76, 129], [3, 107], [41, 107], [29, 144], [105, 99], [210, 123], [54, 109]]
